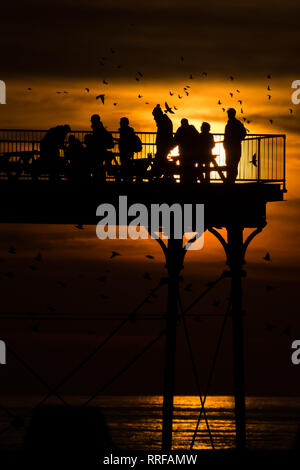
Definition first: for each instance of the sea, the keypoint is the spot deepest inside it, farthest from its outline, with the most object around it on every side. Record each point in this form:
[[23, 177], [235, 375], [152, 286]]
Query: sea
[[135, 422]]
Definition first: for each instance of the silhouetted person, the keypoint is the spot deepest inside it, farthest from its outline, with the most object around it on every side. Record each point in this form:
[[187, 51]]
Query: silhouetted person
[[235, 132], [127, 146], [187, 139], [66, 433], [50, 146], [164, 140], [77, 156], [205, 145], [98, 148]]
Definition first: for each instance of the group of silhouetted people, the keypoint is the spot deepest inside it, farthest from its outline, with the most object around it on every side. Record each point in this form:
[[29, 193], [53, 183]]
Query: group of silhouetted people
[[93, 157]]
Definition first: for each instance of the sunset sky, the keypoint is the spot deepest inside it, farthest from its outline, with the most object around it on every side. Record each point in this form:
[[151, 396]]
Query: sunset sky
[[70, 45]]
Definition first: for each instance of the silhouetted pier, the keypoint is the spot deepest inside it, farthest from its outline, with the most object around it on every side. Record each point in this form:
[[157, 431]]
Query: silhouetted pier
[[261, 179]]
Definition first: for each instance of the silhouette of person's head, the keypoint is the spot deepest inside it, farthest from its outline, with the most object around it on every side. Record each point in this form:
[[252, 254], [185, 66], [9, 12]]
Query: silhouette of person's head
[[184, 122], [205, 128], [157, 111], [95, 121], [231, 112], [124, 122]]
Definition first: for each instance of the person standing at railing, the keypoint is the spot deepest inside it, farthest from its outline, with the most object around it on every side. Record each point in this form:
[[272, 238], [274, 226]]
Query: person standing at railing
[[187, 139], [129, 143], [50, 161], [235, 133], [205, 145], [102, 141], [164, 140]]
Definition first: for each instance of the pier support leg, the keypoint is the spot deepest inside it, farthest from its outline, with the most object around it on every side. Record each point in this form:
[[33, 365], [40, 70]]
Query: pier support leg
[[174, 261], [235, 251]]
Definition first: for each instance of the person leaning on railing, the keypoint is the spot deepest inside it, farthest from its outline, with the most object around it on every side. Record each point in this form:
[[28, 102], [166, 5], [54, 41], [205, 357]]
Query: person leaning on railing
[[50, 161]]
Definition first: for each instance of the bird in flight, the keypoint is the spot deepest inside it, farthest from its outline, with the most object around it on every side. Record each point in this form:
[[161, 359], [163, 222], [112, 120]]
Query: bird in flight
[[105, 82], [269, 97], [87, 89], [170, 93], [254, 160], [231, 78], [140, 74], [79, 226], [140, 96], [219, 102], [115, 104], [271, 121], [101, 97], [269, 88], [180, 97], [168, 109], [150, 256], [290, 110], [267, 257], [269, 76], [231, 94], [240, 101], [191, 77], [114, 254]]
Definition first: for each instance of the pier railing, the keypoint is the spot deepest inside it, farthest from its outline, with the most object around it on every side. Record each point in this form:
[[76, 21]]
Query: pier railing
[[262, 160]]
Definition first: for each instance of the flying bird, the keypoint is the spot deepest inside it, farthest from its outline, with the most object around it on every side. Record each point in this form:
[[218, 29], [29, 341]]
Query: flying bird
[[180, 97], [168, 109], [231, 94], [269, 97], [269, 76], [115, 104], [254, 160], [170, 93], [290, 110], [140, 96], [268, 88], [105, 82], [140, 74], [114, 254], [79, 226], [231, 77], [150, 256], [219, 102], [191, 77], [271, 121], [267, 257], [101, 97], [240, 101], [87, 89]]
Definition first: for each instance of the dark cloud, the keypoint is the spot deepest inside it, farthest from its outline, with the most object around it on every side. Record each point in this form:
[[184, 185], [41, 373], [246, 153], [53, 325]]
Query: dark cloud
[[65, 38]]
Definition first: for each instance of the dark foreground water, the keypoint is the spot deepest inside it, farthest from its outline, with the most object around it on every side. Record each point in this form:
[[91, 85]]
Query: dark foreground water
[[135, 421]]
